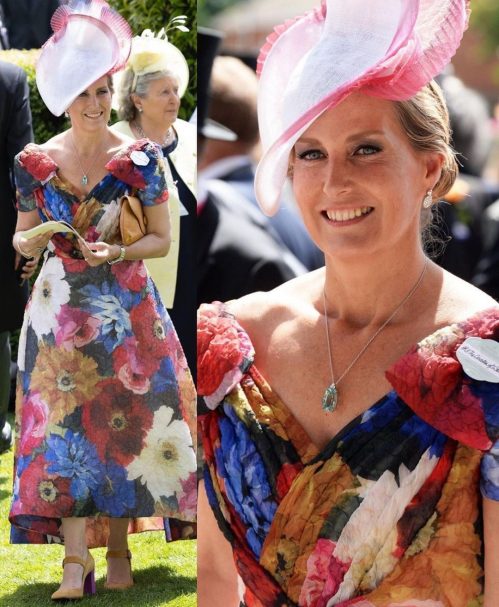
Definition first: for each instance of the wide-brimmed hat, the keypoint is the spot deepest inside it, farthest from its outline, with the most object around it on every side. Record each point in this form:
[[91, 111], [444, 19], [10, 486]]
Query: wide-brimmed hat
[[387, 48], [153, 53], [90, 40]]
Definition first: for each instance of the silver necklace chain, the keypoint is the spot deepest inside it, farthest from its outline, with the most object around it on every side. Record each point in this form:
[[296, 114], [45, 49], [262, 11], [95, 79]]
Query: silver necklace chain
[[85, 174], [330, 398], [168, 140]]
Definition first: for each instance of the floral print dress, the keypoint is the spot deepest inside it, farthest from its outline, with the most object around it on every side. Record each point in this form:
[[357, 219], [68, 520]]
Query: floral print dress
[[388, 513], [105, 402]]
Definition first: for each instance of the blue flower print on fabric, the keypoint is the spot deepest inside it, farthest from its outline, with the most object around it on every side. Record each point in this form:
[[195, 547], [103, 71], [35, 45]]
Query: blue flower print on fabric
[[164, 379], [488, 393], [115, 496], [154, 179], [102, 302], [387, 426], [245, 479], [72, 456], [58, 204], [490, 473]]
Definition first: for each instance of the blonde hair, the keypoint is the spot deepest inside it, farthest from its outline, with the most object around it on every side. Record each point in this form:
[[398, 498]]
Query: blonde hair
[[425, 120]]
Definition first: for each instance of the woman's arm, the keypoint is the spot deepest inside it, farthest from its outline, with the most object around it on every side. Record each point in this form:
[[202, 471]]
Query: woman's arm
[[217, 575], [156, 242], [491, 539]]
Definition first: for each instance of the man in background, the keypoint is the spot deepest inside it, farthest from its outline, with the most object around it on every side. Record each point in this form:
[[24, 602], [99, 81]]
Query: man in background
[[15, 133], [28, 21], [233, 103]]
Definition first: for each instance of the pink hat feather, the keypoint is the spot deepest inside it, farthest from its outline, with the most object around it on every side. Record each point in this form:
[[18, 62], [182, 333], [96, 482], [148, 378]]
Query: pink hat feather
[[389, 48]]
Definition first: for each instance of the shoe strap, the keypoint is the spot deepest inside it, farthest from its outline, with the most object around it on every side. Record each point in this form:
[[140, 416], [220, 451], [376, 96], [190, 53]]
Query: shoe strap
[[119, 554], [74, 559]]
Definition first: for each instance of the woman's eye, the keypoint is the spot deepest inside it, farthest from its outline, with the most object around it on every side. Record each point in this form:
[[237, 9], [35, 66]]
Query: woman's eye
[[367, 150], [310, 155]]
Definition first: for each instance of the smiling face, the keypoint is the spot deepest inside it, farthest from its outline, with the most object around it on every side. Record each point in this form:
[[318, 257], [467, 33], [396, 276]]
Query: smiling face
[[161, 103], [92, 108], [358, 181]]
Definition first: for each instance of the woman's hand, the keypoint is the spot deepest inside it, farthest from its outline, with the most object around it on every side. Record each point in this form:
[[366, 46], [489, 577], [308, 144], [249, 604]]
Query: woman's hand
[[97, 253], [31, 247], [28, 267]]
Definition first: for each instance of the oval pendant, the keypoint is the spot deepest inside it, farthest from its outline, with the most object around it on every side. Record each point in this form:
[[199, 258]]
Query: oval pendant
[[84, 180], [330, 398]]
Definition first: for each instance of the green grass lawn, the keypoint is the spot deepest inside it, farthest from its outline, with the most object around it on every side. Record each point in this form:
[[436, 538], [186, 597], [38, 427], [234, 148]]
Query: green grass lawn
[[164, 574]]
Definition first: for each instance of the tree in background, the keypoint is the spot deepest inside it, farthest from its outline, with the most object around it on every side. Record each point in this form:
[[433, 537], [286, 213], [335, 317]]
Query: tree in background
[[485, 19]]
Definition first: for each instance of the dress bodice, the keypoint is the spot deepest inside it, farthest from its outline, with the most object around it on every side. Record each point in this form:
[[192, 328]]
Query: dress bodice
[[361, 517]]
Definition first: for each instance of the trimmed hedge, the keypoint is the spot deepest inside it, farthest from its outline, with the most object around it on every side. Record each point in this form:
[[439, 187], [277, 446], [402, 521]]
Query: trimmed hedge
[[141, 14]]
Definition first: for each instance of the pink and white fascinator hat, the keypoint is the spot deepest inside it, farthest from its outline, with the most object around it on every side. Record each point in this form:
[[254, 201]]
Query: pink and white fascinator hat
[[90, 40], [387, 48]]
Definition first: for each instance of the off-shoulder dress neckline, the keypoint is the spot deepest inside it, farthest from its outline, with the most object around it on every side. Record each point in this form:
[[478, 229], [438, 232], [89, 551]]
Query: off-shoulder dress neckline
[[313, 452], [68, 185]]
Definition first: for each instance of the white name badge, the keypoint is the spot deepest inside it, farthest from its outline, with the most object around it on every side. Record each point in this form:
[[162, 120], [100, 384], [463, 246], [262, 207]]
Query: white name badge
[[139, 158], [480, 358]]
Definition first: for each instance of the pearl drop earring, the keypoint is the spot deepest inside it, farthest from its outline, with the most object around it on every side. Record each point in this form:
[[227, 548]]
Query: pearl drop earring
[[428, 199]]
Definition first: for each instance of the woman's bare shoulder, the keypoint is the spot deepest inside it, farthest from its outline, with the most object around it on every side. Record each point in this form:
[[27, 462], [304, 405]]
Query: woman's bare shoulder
[[259, 313], [459, 299], [54, 145], [120, 140]]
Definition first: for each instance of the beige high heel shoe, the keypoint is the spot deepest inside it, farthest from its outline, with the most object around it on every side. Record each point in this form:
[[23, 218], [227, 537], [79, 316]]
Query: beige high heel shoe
[[119, 554], [87, 579]]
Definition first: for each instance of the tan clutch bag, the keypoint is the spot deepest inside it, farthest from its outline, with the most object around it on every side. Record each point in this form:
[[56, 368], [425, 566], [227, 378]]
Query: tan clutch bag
[[132, 220]]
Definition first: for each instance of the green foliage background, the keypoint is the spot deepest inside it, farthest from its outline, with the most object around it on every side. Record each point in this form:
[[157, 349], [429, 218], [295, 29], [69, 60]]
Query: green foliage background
[[485, 18], [141, 15]]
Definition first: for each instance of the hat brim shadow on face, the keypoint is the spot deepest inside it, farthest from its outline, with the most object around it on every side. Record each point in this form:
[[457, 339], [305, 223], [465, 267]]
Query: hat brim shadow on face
[[387, 48]]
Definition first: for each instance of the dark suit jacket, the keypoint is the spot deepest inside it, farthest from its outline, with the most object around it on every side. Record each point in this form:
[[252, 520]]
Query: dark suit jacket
[[286, 222], [236, 254], [28, 21], [15, 133]]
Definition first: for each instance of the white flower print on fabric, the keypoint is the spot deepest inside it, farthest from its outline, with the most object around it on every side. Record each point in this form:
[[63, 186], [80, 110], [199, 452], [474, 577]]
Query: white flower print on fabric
[[167, 458], [50, 293], [107, 225]]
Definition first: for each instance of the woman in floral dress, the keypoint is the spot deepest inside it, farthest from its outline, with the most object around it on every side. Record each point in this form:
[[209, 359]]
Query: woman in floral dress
[[105, 403], [352, 442]]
